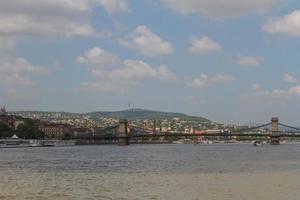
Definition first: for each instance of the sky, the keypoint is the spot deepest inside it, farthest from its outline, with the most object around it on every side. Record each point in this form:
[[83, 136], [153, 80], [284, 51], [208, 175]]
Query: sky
[[232, 61]]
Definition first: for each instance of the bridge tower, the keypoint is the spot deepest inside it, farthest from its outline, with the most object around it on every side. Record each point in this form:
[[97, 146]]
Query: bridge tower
[[275, 138], [122, 133]]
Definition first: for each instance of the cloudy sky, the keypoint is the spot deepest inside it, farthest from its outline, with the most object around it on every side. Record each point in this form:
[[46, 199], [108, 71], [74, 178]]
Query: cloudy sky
[[227, 60]]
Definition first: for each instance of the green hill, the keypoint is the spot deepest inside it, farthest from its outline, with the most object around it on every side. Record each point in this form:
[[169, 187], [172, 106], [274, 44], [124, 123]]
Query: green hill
[[131, 114], [134, 114]]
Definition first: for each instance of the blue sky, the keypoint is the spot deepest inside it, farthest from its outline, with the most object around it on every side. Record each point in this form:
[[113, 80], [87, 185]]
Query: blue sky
[[230, 61]]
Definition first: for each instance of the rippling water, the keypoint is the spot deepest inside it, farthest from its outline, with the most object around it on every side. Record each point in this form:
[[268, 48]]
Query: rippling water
[[218, 171]]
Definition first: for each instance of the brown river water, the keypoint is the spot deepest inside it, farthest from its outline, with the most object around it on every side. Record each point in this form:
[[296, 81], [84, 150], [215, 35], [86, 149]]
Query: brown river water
[[208, 172]]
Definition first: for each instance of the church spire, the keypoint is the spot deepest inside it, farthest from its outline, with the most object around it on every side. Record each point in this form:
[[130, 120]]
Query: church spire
[[3, 111]]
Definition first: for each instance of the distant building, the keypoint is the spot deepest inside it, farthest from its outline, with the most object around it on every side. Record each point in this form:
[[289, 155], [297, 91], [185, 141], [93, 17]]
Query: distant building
[[3, 111], [54, 130], [5, 118], [80, 132]]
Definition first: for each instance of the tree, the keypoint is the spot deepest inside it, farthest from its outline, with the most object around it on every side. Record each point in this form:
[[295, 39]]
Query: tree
[[29, 130], [5, 131], [67, 136]]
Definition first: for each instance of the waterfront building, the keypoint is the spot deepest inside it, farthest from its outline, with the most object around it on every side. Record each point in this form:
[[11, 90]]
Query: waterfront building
[[54, 130], [81, 132]]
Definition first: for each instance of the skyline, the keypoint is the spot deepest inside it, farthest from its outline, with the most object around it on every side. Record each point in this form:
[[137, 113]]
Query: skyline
[[235, 63], [14, 112]]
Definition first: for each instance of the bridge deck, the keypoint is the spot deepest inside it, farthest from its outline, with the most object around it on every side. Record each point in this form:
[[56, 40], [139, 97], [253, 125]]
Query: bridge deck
[[113, 137]]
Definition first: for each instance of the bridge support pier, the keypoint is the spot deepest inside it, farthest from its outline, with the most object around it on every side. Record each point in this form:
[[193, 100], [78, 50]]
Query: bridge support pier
[[122, 133], [275, 138]]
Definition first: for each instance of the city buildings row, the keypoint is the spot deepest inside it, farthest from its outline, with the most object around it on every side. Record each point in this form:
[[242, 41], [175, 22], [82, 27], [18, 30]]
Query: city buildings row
[[59, 126]]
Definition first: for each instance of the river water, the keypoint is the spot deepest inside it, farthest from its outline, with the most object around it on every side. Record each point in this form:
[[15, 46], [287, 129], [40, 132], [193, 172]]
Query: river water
[[217, 171]]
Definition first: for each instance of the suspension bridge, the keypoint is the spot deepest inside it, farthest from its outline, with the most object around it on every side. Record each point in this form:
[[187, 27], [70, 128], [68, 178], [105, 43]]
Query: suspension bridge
[[273, 132]]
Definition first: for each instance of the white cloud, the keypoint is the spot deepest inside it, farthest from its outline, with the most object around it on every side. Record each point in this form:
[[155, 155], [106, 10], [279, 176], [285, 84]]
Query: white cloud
[[204, 46], [164, 73], [133, 70], [14, 72], [221, 9], [205, 80], [269, 95], [46, 18], [256, 87], [146, 42], [250, 61], [120, 78], [294, 90], [261, 95], [51, 17], [289, 78], [98, 58], [21, 65], [289, 25], [26, 26], [115, 6]]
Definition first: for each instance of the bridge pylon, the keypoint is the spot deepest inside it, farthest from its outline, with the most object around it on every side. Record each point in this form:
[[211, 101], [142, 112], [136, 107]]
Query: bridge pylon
[[122, 133], [275, 138]]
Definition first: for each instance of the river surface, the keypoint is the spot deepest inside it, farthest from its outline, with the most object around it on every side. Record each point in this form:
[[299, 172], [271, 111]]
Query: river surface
[[217, 171]]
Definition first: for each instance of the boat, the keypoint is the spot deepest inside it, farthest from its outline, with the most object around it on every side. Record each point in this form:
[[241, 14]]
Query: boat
[[58, 143], [195, 142], [48, 143], [257, 143], [183, 141], [207, 142], [35, 143], [14, 143], [178, 142]]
